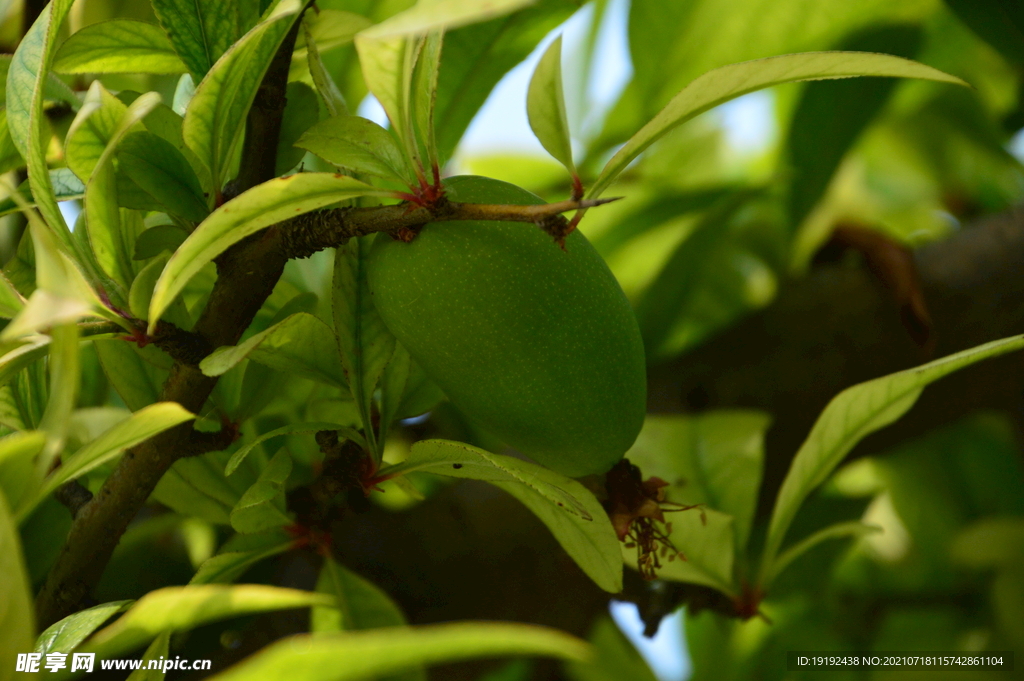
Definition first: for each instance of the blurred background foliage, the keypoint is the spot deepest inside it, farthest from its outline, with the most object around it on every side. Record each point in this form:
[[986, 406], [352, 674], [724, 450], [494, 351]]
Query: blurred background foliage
[[709, 228]]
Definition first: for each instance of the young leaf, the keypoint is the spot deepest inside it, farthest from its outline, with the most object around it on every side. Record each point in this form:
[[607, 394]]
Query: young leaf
[[215, 119], [140, 426], [728, 82], [322, 80], [158, 649], [387, 66], [365, 343], [839, 530], [67, 634], [179, 608], [118, 46], [545, 106], [376, 653], [424, 94], [259, 508], [27, 79], [358, 145], [851, 416], [570, 511], [155, 165], [42, 311], [200, 30], [102, 211], [292, 429], [358, 603], [17, 615], [17, 453], [441, 14], [248, 213], [232, 562], [301, 345]]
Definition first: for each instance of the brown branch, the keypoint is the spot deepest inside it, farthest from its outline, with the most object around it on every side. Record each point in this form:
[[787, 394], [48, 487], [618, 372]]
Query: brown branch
[[73, 495]]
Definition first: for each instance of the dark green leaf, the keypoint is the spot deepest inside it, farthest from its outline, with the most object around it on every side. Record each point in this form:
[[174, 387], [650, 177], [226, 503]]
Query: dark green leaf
[[261, 507], [202, 30], [1000, 23], [301, 113], [161, 170]]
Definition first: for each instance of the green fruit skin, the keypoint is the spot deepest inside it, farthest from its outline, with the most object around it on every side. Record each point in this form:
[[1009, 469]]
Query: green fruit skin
[[536, 344]]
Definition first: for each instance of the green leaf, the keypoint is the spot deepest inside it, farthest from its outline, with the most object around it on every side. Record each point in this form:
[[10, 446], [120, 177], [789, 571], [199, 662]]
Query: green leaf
[[17, 454], [43, 311], [157, 650], [357, 145], [92, 129], [998, 23], [17, 614], [118, 46], [424, 93], [107, 235], [728, 82], [64, 369], [387, 65], [851, 416], [545, 106], [365, 342], [197, 487], [371, 654], [248, 213], [291, 429], [300, 345], [179, 608], [66, 186], [334, 100], [215, 119], [441, 14], [127, 373], [164, 173], [27, 81], [229, 565], [158, 239], [393, 385], [831, 115], [301, 113], [55, 90], [616, 659], [11, 302], [67, 634], [139, 427], [261, 507], [358, 603], [476, 57], [200, 30], [837, 531], [17, 359], [570, 511], [714, 458]]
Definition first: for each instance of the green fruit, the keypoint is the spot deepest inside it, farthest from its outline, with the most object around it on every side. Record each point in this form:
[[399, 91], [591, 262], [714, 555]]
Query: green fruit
[[536, 344]]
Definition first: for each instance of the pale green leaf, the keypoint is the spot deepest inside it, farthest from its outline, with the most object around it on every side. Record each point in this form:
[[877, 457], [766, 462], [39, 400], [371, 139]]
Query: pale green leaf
[[64, 370], [260, 508], [851, 416], [371, 654], [358, 145], [66, 186], [156, 652], [256, 209], [229, 565], [42, 311], [118, 46], [17, 613], [139, 427], [179, 608], [365, 342], [17, 453], [424, 93], [215, 118], [441, 14], [570, 511], [300, 345], [65, 635], [26, 85], [545, 106], [11, 302], [387, 66], [837, 531], [92, 129], [16, 359], [358, 603], [56, 90], [728, 82], [291, 429]]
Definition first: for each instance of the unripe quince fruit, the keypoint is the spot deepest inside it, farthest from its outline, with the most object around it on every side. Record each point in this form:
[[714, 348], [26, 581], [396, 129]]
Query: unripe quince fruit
[[536, 344]]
